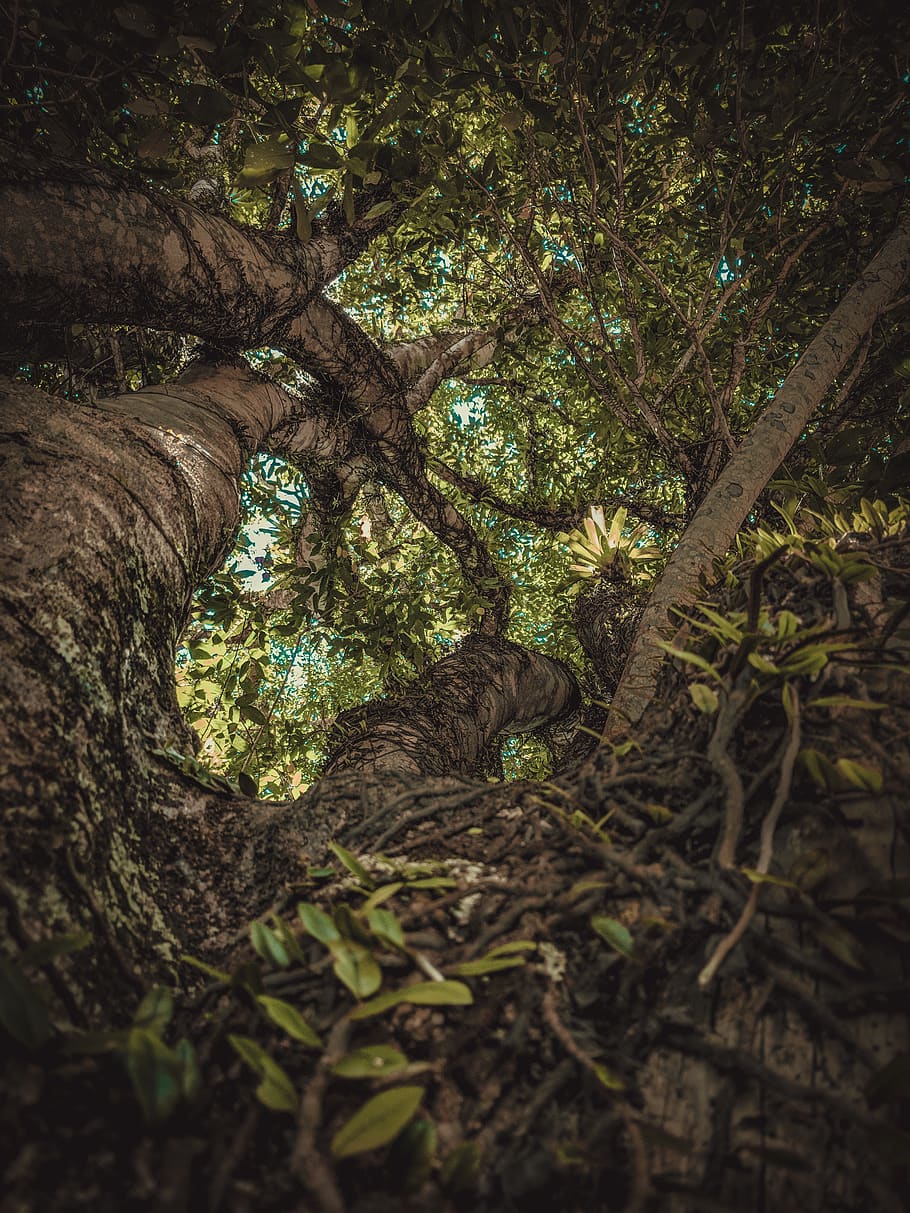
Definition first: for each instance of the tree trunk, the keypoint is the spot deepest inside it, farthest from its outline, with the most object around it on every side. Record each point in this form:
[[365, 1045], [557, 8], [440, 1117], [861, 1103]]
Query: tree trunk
[[592, 1066], [107, 813]]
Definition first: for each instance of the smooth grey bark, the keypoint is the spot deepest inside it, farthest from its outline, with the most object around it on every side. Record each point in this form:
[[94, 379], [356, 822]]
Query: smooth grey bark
[[728, 502]]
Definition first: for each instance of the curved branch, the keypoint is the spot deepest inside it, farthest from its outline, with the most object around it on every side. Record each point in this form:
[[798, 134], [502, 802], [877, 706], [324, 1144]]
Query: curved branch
[[444, 723]]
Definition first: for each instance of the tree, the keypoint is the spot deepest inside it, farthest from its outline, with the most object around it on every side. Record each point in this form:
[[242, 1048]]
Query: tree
[[278, 263]]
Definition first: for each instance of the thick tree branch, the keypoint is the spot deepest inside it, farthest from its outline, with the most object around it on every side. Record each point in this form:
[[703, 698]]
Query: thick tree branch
[[445, 722]]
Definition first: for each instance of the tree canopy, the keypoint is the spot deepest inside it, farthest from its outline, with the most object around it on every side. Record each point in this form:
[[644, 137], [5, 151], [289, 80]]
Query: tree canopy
[[559, 352], [620, 233]]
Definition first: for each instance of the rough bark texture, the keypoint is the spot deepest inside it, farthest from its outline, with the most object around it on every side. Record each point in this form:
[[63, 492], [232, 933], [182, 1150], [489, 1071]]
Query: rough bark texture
[[727, 504], [113, 515], [604, 1072], [446, 723]]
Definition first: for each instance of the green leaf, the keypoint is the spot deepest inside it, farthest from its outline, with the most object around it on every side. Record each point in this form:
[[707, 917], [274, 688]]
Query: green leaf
[[859, 775], [845, 701], [704, 698], [692, 658], [263, 162], [385, 924], [411, 1156], [610, 1080], [514, 945], [289, 1018], [156, 1073], [460, 1170], [615, 934], [317, 923], [767, 878], [423, 994], [267, 945], [353, 865], [155, 1011], [275, 1090], [841, 944], [502, 957], [190, 1073], [247, 784], [487, 964], [382, 894], [370, 1061], [46, 950], [22, 1009], [380, 208], [355, 967], [322, 155], [376, 1123], [433, 882], [209, 970]]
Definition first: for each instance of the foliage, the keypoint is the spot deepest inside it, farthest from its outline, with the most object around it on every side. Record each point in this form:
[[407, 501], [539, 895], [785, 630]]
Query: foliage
[[671, 225]]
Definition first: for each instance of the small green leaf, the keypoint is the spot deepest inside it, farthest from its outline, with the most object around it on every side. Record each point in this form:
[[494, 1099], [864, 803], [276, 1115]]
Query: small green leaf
[[845, 701], [384, 924], [156, 1073], [377, 1122], [190, 1073], [659, 813], [487, 964], [611, 1081], [433, 882], [355, 967], [411, 1156], [22, 1009], [460, 1170], [275, 1090], [841, 944], [380, 208], [318, 923], [290, 1019], [424, 994], [514, 945], [268, 945], [370, 1061], [382, 894], [263, 162], [209, 970], [704, 698], [615, 934], [46, 950], [155, 1011], [859, 775], [692, 658], [767, 878], [247, 784], [350, 926], [322, 155], [353, 864]]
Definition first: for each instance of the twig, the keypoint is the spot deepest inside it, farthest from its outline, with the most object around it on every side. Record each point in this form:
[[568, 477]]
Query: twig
[[766, 847], [308, 1162]]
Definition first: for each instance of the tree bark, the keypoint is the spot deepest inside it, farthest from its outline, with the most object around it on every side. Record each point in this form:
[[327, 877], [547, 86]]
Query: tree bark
[[114, 514], [445, 723]]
